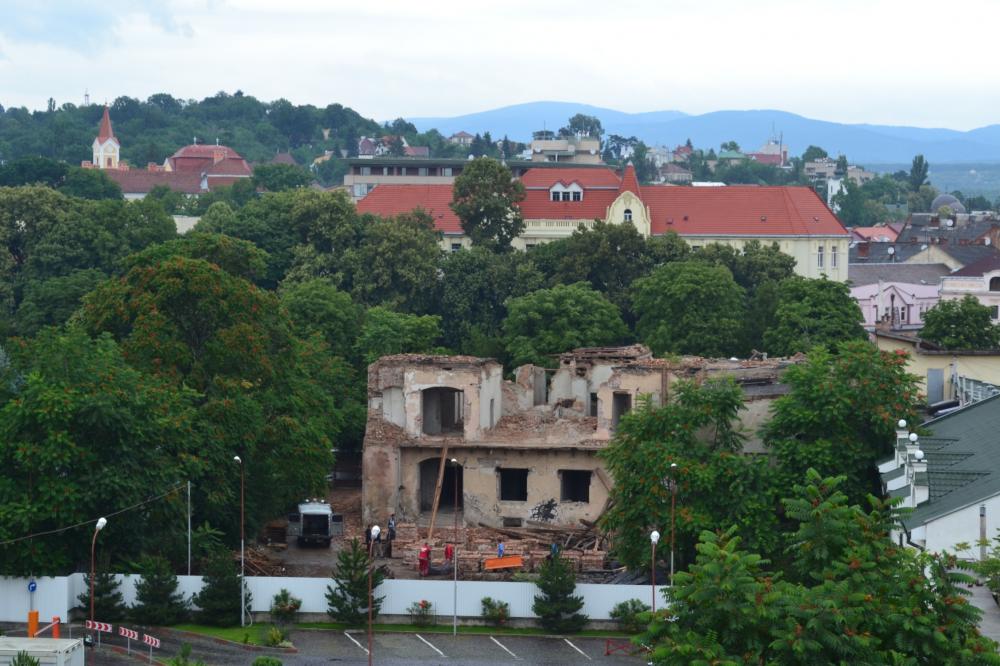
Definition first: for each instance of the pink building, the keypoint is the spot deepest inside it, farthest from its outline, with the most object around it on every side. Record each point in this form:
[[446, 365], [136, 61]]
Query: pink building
[[901, 303]]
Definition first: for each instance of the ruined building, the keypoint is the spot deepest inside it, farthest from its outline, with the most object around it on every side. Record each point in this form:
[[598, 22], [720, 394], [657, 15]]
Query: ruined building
[[523, 450]]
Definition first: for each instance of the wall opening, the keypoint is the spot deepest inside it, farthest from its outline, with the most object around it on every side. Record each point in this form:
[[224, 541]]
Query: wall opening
[[995, 284], [621, 404], [593, 404], [574, 485], [443, 410], [539, 386], [513, 485], [428, 482]]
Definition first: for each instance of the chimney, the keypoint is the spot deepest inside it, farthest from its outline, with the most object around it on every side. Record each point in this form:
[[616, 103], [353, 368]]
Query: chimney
[[919, 485]]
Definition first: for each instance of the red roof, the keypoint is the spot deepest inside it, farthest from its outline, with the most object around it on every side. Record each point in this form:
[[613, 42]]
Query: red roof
[[417, 151], [140, 181], [766, 158], [876, 233], [629, 182], [389, 200], [209, 151], [740, 211], [546, 177], [230, 167], [105, 132]]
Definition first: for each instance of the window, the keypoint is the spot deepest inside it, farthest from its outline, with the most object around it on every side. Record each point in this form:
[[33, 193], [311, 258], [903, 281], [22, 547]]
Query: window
[[833, 256], [109, 161], [422, 171], [593, 404], [513, 485], [993, 312], [577, 196], [621, 404], [386, 171], [995, 284], [455, 247], [360, 190], [574, 485], [628, 214], [492, 419], [565, 196], [819, 257], [446, 171], [402, 171], [366, 171], [555, 196], [442, 410]]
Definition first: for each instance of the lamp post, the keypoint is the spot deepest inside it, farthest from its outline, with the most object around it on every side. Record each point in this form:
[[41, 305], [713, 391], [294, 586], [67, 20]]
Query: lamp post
[[673, 506], [101, 522], [654, 537], [243, 588], [454, 558], [371, 565]]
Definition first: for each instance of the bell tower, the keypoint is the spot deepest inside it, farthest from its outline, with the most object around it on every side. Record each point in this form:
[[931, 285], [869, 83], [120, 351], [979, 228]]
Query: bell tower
[[106, 146]]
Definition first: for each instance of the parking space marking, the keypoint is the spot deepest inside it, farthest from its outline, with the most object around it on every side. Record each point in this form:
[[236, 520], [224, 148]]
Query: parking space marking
[[351, 638], [504, 647], [429, 644], [578, 649]]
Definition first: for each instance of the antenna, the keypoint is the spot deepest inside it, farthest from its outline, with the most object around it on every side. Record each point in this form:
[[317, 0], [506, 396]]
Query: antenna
[[86, 97]]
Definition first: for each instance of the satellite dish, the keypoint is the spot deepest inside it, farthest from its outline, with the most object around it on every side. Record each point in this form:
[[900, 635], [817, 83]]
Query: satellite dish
[[891, 251], [949, 223]]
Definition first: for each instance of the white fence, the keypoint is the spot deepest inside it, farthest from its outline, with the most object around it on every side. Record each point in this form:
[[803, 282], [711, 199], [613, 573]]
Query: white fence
[[55, 597]]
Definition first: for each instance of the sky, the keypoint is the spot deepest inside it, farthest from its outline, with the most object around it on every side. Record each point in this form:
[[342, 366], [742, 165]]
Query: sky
[[899, 62]]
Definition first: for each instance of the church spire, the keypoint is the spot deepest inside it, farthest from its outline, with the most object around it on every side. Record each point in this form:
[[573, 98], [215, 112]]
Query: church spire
[[105, 132]]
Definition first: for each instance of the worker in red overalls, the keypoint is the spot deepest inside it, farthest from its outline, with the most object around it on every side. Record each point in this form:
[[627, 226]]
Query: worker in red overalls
[[449, 552], [425, 560]]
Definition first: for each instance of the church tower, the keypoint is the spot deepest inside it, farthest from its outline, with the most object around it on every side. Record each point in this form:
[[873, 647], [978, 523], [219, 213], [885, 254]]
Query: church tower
[[106, 146]]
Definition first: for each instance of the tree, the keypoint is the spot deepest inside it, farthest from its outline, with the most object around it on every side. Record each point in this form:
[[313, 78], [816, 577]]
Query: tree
[[75, 406], [557, 608], [698, 431], [396, 147], [813, 153], [848, 590], [810, 313], [689, 307], [842, 166], [90, 184], [840, 414], [855, 207], [33, 171], [961, 324], [219, 600], [485, 198], [318, 307], [235, 256], [157, 600], [918, 173], [921, 200], [556, 320], [347, 597], [51, 302], [386, 332], [475, 287], [583, 125], [109, 604], [730, 146], [280, 177]]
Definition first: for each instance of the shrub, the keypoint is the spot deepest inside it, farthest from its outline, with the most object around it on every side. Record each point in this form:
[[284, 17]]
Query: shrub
[[421, 613], [275, 636], [182, 659], [219, 599], [109, 604], [266, 661], [157, 599], [24, 659], [495, 612], [628, 614], [347, 598], [284, 607]]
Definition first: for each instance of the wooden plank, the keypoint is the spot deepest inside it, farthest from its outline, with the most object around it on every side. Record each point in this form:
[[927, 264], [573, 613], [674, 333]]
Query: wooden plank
[[508, 562], [437, 492]]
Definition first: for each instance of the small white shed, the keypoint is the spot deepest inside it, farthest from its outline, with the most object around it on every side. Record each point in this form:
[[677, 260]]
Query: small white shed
[[48, 651]]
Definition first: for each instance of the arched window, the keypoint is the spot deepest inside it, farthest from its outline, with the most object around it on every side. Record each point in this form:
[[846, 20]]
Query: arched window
[[995, 284], [628, 214]]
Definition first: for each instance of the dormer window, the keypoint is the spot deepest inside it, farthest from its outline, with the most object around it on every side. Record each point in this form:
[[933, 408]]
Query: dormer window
[[561, 192], [628, 214]]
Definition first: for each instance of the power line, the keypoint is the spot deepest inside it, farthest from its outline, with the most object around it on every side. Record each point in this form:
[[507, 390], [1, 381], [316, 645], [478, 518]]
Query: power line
[[87, 522]]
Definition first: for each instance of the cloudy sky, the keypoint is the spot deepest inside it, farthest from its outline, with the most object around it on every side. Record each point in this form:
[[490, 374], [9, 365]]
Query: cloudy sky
[[880, 61]]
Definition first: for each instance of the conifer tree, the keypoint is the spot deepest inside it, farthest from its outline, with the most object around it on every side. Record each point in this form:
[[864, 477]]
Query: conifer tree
[[347, 597], [556, 607], [109, 605], [219, 599], [157, 599]]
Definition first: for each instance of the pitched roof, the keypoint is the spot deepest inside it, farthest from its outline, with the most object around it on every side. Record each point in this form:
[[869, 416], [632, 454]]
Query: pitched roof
[[207, 150], [230, 167], [284, 158], [140, 181], [417, 151], [963, 460], [737, 210], [388, 200], [990, 262], [105, 132], [876, 233], [629, 182], [864, 274], [546, 177]]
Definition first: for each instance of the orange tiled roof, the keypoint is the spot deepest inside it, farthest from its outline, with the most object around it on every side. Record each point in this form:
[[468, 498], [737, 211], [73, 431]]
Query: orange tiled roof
[[392, 199], [105, 132]]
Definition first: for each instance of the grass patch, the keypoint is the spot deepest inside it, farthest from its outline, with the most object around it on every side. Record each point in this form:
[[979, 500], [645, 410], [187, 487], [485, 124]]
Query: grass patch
[[254, 635], [473, 630]]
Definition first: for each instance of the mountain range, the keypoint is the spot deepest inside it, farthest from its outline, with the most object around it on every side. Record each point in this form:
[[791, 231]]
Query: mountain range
[[750, 128]]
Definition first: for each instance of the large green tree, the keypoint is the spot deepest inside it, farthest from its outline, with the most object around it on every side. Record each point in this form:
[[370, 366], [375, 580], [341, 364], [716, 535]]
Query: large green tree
[[961, 324], [318, 307], [280, 177], [716, 486], [840, 414], [918, 172], [689, 307], [848, 595], [347, 596], [812, 312], [557, 608], [485, 197], [386, 332], [552, 321]]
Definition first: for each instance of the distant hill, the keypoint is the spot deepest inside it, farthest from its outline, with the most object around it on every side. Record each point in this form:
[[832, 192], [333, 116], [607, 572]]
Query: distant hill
[[861, 143]]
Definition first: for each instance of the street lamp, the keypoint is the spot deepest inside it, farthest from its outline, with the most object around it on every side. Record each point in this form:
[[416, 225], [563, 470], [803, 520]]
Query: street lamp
[[101, 522], [371, 565], [454, 558], [243, 588], [654, 537]]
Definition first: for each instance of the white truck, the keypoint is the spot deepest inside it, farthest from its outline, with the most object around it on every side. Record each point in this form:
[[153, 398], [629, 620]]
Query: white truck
[[315, 522]]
